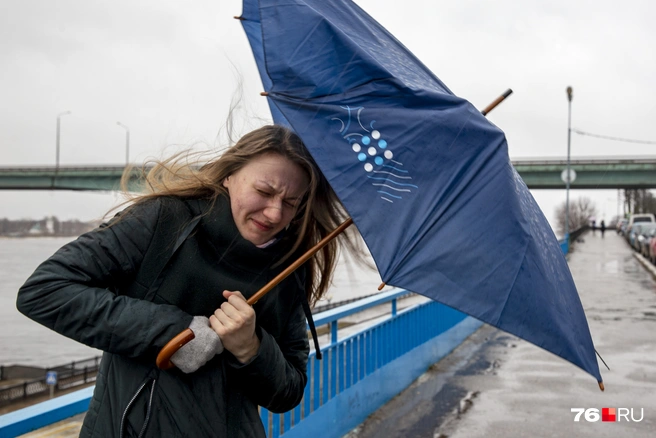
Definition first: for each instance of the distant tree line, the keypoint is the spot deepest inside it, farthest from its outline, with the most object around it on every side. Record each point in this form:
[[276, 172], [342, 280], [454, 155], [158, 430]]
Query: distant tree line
[[580, 212], [48, 226], [639, 201]]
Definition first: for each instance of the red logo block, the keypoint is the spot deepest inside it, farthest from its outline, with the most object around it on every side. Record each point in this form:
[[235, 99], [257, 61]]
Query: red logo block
[[608, 414]]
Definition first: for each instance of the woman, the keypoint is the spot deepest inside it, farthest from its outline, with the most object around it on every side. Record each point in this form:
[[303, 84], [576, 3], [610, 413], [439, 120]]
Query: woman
[[189, 254]]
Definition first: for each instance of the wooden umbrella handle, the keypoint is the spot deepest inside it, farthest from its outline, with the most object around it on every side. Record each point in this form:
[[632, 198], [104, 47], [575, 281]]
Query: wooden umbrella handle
[[302, 259], [164, 357]]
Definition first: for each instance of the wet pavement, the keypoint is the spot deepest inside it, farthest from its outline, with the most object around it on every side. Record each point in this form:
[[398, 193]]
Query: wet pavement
[[496, 385]]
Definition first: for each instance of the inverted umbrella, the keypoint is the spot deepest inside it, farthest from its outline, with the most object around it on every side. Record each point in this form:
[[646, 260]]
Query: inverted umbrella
[[425, 177]]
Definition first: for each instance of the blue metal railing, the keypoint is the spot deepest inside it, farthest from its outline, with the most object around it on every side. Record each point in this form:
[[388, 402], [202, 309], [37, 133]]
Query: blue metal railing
[[321, 387], [564, 244], [350, 361], [357, 375]]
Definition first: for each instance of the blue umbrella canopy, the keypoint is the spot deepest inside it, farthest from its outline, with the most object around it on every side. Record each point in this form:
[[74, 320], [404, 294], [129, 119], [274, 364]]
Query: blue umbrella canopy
[[425, 176]]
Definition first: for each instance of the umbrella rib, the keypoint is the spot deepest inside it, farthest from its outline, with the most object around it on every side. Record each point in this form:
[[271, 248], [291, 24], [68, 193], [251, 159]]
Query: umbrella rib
[[513, 282]]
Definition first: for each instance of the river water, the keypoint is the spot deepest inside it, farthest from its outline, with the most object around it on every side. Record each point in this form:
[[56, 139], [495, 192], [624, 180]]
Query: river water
[[25, 342]]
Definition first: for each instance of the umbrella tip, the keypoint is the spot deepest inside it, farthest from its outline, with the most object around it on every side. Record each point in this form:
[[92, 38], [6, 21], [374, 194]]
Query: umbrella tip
[[264, 93], [239, 18], [601, 385], [382, 285]]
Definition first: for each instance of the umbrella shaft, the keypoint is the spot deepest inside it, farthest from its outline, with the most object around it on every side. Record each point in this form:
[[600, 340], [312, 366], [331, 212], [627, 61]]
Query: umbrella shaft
[[336, 232], [496, 102], [294, 266]]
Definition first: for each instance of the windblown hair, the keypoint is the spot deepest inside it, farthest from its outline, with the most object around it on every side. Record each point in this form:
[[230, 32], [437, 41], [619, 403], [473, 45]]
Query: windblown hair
[[318, 214]]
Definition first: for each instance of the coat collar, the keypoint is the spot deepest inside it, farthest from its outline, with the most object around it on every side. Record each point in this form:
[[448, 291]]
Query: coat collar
[[219, 226]]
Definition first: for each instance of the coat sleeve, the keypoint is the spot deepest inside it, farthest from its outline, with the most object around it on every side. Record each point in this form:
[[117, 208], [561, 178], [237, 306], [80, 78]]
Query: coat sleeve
[[74, 291], [276, 377]]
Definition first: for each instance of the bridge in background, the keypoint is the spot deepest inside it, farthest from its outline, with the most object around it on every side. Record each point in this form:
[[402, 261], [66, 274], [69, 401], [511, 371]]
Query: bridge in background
[[591, 173]]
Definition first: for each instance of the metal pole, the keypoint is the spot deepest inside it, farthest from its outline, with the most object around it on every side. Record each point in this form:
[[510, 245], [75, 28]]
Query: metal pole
[[57, 145], [567, 178], [58, 134], [127, 142]]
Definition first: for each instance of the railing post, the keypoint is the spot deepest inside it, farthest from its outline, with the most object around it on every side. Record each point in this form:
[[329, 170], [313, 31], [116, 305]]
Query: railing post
[[333, 332]]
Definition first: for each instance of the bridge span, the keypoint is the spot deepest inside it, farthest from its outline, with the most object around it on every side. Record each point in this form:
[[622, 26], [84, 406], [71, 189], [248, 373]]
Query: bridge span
[[591, 173]]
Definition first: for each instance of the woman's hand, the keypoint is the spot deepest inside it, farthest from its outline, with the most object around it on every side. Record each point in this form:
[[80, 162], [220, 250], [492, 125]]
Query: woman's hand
[[234, 322]]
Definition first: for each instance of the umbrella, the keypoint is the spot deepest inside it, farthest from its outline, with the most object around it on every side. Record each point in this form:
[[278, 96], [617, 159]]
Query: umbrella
[[425, 176]]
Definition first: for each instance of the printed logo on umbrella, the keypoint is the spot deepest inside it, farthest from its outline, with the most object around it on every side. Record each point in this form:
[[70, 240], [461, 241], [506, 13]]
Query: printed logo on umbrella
[[373, 151]]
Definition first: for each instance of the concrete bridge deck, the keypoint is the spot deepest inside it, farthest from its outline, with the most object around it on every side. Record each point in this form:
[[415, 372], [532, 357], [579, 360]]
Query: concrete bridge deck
[[591, 173]]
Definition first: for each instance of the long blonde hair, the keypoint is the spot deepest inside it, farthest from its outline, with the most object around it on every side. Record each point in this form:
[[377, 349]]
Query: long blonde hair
[[318, 214]]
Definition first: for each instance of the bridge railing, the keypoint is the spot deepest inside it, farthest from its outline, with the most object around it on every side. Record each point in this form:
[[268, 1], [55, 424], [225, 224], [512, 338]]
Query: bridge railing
[[565, 242], [362, 371], [358, 374], [68, 376]]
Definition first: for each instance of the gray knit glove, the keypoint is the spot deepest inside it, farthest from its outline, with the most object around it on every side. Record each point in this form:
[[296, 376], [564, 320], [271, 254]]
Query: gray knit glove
[[197, 352]]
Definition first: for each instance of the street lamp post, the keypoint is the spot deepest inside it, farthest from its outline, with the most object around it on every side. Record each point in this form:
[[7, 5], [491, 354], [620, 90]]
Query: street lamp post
[[127, 142], [568, 177], [65, 113]]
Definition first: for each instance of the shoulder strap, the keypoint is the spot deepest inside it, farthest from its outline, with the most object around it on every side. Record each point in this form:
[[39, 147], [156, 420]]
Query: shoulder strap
[[160, 252], [308, 315]]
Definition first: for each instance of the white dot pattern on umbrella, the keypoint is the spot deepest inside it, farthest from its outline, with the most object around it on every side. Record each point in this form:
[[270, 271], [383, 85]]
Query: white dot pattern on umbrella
[[387, 175]]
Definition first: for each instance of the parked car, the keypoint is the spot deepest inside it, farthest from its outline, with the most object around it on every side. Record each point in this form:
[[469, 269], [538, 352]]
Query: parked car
[[621, 226], [638, 219], [632, 235], [641, 217], [652, 247], [643, 238]]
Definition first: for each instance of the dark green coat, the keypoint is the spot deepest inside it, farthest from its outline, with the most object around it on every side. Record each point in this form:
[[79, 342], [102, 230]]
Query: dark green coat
[[105, 289]]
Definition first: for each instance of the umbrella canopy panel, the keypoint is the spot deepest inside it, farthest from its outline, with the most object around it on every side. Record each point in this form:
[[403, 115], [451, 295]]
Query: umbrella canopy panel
[[425, 176]]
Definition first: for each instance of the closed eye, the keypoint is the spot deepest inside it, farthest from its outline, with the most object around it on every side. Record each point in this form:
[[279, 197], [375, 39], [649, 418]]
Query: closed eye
[[264, 193], [288, 202]]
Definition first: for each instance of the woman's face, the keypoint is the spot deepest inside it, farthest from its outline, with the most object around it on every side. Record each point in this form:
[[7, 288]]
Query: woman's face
[[264, 196]]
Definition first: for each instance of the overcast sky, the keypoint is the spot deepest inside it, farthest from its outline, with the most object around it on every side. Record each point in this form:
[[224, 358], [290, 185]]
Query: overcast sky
[[169, 69]]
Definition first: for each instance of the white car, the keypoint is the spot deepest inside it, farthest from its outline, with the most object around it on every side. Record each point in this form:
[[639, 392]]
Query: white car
[[639, 218]]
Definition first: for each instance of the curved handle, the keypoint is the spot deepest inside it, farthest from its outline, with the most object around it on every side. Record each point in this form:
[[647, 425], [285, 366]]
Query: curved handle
[[164, 357]]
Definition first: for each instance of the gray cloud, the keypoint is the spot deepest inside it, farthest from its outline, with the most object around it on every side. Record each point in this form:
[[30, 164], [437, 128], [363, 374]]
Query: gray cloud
[[169, 69]]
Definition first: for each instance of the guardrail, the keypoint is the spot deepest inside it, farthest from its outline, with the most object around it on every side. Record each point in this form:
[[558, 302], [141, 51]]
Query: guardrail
[[565, 243], [68, 376], [358, 374]]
